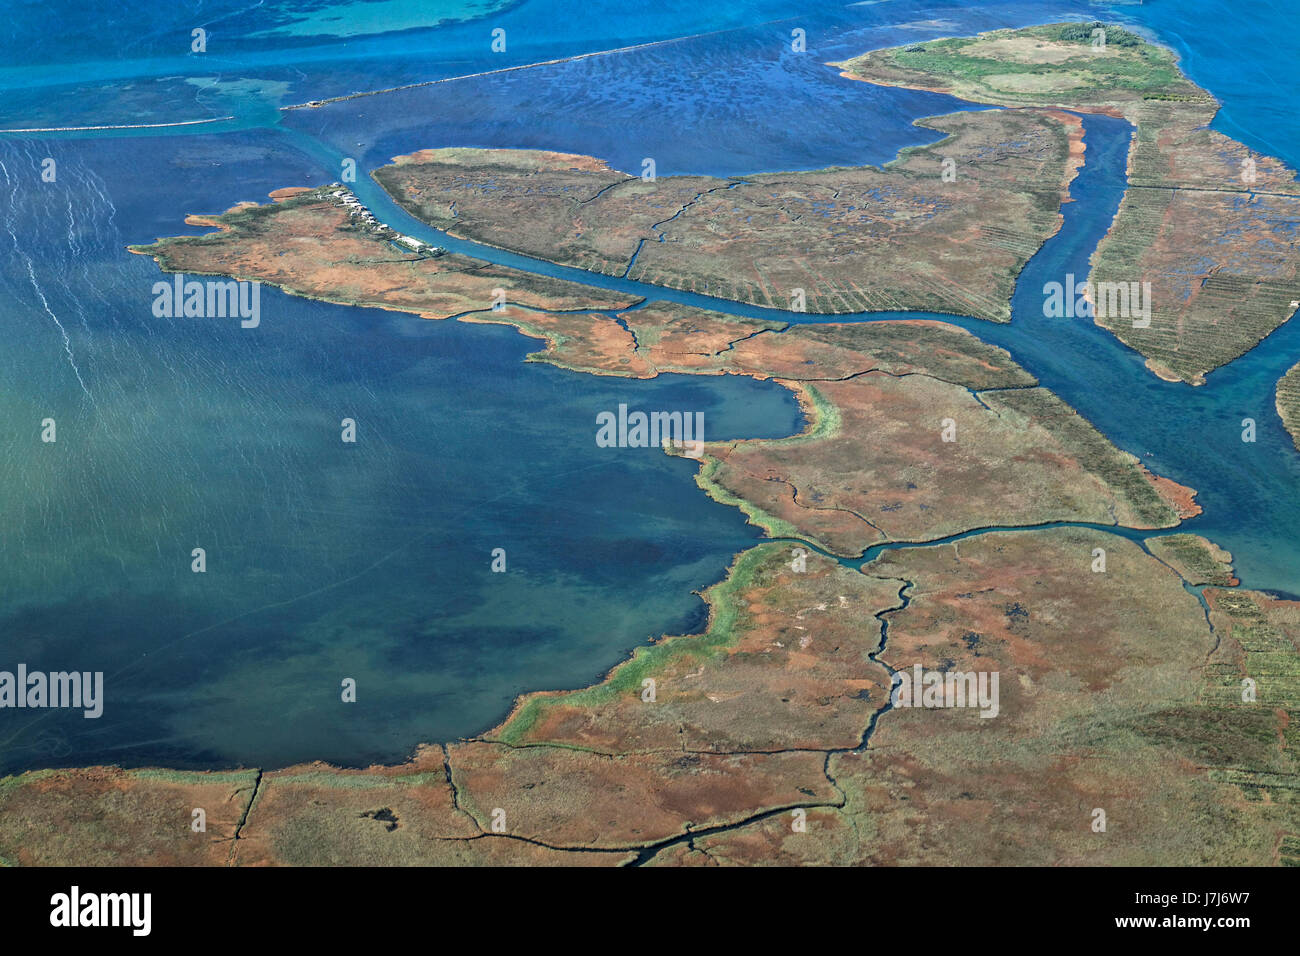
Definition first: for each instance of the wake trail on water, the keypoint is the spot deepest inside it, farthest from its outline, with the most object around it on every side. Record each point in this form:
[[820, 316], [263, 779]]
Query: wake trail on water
[[10, 226]]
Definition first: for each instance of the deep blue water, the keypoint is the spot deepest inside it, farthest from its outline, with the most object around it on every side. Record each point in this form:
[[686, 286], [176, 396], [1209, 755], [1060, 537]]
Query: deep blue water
[[325, 560], [371, 561]]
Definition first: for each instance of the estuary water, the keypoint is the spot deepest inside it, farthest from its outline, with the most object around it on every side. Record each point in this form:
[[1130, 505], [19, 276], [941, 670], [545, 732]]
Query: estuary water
[[324, 560], [371, 560]]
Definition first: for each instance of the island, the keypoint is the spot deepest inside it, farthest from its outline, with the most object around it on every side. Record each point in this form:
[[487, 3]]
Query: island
[[1208, 222], [941, 514], [944, 228]]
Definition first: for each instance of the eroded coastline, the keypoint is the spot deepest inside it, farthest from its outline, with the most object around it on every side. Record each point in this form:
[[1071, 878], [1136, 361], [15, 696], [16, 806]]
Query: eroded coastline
[[573, 771]]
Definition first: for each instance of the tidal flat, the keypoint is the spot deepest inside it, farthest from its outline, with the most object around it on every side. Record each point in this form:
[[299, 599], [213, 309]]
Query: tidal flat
[[766, 735]]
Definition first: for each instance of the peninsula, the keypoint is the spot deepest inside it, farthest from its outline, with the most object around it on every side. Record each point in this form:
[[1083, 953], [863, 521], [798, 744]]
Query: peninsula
[[941, 513]]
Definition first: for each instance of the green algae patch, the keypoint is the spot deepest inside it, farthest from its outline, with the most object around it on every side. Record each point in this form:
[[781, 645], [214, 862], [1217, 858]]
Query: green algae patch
[[1036, 65], [783, 665], [774, 526], [626, 678], [185, 778], [824, 419], [823, 424]]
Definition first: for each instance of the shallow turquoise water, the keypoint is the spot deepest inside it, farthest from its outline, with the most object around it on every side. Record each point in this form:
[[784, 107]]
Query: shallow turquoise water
[[371, 561]]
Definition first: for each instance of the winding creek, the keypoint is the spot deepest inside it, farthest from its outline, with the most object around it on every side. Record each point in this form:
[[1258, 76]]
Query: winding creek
[[1190, 434], [186, 433]]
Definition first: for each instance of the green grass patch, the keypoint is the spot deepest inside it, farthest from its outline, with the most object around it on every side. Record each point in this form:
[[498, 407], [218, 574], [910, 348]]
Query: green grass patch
[[724, 619], [1130, 64]]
